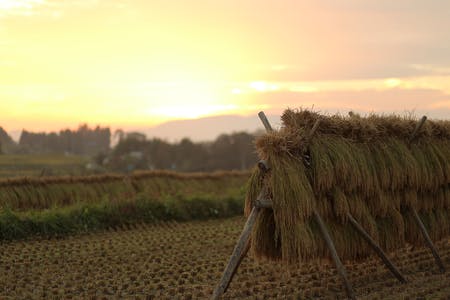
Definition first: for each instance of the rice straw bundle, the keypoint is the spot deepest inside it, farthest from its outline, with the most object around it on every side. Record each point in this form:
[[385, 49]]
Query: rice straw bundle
[[365, 166]]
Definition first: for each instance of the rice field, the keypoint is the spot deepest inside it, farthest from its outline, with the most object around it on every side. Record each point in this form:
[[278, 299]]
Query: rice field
[[32, 165], [55, 206], [185, 261]]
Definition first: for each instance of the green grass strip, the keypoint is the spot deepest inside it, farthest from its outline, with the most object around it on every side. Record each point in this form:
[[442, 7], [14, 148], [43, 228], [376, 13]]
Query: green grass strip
[[58, 222]]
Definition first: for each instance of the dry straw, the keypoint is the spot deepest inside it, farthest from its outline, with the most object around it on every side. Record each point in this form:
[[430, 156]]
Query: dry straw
[[364, 166], [42, 193]]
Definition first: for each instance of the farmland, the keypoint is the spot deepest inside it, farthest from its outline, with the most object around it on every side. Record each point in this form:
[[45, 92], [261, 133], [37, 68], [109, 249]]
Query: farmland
[[56, 206], [43, 164], [185, 260], [166, 235]]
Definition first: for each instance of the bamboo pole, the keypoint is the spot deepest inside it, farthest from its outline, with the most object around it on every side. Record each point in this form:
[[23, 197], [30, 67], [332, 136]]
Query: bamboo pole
[[376, 248]]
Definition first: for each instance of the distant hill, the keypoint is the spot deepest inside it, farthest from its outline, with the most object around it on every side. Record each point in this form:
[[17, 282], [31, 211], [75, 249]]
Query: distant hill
[[207, 129]]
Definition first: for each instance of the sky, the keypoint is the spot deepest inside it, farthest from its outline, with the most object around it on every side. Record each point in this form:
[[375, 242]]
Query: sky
[[139, 63]]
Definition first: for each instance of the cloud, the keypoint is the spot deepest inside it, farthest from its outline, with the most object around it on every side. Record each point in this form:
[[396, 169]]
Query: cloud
[[329, 40], [51, 8], [25, 8]]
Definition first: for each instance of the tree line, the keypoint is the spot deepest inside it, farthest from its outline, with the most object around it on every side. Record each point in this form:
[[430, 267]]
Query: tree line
[[227, 152], [82, 141], [134, 151]]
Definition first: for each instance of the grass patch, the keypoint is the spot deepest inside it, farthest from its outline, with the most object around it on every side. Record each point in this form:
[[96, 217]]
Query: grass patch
[[79, 218]]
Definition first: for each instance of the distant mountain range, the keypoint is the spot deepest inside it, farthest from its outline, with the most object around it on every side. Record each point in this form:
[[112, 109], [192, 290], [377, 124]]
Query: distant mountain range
[[208, 128]]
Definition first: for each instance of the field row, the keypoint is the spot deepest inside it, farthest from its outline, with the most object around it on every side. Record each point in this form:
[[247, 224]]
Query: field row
[[21, 194], [186, 260]]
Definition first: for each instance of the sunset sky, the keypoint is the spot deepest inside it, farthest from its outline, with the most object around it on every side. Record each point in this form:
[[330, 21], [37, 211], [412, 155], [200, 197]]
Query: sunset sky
[[133, 64]]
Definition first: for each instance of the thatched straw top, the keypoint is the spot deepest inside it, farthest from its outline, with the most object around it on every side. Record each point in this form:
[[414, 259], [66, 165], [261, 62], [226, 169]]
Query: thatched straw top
[[297, 123], [367, 128]]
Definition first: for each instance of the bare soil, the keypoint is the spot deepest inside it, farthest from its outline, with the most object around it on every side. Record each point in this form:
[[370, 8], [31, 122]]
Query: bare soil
[[186, 260]]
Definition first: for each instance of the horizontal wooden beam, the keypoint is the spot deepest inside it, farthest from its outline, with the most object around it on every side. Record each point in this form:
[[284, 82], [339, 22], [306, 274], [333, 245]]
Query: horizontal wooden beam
[[263, 203], [264, 165]]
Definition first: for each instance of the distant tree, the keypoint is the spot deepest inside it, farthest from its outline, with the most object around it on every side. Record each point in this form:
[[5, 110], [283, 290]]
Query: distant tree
[[84, 141], [119, 134], [233, 151], [136, 136], [228, 152], [191, 157], [8, 145]]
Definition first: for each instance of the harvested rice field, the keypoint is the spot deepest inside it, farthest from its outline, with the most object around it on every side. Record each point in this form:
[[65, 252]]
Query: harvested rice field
[[185, 261]]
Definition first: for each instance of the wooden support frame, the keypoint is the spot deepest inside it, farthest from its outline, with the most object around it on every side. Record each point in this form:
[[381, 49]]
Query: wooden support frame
[[267, 203], [243, 245]]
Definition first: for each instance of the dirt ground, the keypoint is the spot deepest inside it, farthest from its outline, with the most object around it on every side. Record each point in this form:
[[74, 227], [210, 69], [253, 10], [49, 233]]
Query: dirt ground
[[186, 260]]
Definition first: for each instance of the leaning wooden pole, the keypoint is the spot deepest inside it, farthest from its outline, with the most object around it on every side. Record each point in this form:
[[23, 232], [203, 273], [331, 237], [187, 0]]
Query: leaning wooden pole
[[325, 234], [243, 245], [265, 121], [419, 222], [243, 255], [430, 244], [376, 248], [337, 261], [237, 255]]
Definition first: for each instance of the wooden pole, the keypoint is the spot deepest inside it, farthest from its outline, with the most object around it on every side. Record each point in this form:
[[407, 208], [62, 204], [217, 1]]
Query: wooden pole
[[430, 244], [376, 248], [243, 245], [265, 121], [244, 253], [326, 235], [263, 165], [263, 203], [417, 129], [419, 222], [238, 254], [313, 131], [337, 261]]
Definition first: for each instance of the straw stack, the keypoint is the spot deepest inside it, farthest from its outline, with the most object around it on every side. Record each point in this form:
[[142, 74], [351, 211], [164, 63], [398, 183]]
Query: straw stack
[[365, 166]]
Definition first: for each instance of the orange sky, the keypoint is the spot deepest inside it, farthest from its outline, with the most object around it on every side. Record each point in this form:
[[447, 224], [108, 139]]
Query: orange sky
[[139, 63]]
